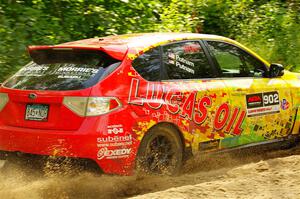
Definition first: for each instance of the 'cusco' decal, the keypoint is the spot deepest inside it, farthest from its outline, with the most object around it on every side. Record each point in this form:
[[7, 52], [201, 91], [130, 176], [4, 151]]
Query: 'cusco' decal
[[190, 107], [262, 103]]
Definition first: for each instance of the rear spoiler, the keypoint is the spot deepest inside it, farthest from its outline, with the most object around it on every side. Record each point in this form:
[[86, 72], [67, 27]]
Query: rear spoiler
[[115, 51]]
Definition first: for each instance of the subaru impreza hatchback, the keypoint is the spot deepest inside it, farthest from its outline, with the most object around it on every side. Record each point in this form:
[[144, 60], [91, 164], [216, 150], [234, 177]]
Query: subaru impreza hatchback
[[146, 100]]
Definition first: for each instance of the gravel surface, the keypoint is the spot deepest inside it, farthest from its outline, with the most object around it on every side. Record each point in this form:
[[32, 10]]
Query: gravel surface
[[252, 174]]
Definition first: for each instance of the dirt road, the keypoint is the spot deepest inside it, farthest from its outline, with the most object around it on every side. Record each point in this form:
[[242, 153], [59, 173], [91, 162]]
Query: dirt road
[[274, 174], [276, 178]]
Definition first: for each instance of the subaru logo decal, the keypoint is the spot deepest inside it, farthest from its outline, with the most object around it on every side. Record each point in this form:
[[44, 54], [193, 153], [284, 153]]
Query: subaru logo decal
[[32, 96]]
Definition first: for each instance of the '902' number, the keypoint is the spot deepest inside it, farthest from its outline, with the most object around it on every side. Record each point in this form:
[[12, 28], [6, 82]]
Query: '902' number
[[271, 98]]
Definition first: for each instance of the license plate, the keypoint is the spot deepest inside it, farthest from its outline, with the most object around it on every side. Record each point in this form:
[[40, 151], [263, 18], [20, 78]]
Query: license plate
[[37, 112]]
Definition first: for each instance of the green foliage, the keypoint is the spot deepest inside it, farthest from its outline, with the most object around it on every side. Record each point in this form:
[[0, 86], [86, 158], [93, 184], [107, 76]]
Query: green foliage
[[273, 31], [270, 28], [37, 22]]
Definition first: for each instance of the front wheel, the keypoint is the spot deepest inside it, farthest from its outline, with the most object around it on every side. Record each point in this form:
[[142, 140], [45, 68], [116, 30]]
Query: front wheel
[[160, 152]]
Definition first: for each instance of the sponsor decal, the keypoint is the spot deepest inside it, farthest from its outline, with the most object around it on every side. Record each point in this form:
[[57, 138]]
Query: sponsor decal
[[209, 145], [32, 70], [284, 104], [71, 68], [191, 48], [116, 140], [115, 129], [190, 107], [114, 136], [254, 100], [75, 72], [262, 103], [181, 63], [113, 153]]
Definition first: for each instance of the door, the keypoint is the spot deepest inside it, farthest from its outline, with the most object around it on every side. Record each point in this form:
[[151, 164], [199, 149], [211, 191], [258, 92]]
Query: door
[[266, 101], [196, 99]]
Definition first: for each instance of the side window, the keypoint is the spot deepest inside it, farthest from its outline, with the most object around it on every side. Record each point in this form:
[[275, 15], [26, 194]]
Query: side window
[[234, 62], [186, 60], [148, 64]]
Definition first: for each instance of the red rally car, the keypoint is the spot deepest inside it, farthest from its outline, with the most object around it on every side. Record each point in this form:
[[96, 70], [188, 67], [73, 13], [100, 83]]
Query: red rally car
[[146, 100]]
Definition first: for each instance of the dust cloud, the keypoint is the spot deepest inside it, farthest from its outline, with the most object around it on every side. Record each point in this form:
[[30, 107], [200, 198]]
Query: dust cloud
[[275, 178], [247, 174]]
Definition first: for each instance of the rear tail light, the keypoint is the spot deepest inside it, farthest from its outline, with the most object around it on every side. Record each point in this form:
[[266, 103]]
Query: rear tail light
[[3, 100], [91, 106], [76, 104]]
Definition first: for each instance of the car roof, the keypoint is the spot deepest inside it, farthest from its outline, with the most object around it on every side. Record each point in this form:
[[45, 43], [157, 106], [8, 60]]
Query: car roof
[[118, 45], [141, 39]]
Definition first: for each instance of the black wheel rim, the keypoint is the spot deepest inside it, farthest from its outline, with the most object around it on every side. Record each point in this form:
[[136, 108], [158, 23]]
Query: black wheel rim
[[160, 157]]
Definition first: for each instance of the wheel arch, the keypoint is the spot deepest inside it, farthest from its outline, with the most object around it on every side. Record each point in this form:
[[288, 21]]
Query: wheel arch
[[296, 124], [187, 151]]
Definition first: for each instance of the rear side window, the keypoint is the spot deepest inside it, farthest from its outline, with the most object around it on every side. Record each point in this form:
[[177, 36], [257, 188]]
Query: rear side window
[[63, 70], [186, 60], [148, 64]]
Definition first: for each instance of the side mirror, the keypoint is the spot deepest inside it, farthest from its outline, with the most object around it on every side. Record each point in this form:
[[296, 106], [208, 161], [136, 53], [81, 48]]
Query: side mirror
[[276, 70]]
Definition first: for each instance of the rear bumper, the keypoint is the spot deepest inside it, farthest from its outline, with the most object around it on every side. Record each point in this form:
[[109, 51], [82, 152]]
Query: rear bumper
[[41, 162], [43, 142], [74, 144]]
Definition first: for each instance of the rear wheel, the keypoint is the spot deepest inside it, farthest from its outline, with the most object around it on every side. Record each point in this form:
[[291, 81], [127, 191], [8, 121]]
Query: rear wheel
[[160, 152]]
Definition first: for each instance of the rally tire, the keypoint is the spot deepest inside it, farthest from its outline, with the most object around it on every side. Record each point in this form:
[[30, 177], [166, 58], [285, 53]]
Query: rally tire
[[160, 152]]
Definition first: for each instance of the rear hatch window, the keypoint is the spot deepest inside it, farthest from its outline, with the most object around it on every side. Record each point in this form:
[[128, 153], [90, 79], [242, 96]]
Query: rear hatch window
[[63, 69]]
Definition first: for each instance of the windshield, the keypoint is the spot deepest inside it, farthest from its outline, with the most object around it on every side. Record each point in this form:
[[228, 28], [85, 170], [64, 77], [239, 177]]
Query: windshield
[[63, 70]]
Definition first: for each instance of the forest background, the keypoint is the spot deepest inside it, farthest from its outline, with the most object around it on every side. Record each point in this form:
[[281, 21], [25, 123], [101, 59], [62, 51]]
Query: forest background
[[271, 28]]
